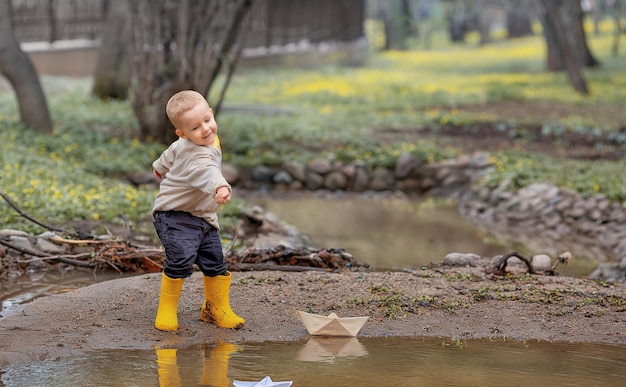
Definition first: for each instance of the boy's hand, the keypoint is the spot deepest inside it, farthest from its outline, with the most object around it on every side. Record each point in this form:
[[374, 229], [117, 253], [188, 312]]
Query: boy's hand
[[222, 195]]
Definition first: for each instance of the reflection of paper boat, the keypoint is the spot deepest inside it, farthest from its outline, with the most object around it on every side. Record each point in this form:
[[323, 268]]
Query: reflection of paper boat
[[329, 348], [331, 325], [265, 382]]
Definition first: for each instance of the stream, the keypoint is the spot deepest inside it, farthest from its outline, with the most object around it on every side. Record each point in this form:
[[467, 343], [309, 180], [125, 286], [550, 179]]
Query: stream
[[387, 233], [396, 233]]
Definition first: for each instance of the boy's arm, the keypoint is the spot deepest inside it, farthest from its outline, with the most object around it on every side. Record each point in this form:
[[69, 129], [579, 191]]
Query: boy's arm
[[222, 195], [163, 164], [207, 176]]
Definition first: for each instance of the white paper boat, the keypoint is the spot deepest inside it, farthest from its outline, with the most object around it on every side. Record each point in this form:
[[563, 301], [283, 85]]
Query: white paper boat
[[265, 382], [327, 349], [331, 325]]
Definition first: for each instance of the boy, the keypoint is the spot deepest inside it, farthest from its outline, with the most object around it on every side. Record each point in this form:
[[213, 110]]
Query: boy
[[185, 213]]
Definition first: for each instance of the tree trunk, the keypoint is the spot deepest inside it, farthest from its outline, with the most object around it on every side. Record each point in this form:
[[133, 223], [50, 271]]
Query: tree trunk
[[617, 17], [19, 70], [562, 17], [179, 45], [518, 23], [113, 68], [397, 20], [566, 42]]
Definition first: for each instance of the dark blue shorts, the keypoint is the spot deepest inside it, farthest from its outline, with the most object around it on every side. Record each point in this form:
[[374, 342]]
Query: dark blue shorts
[[188, 239]]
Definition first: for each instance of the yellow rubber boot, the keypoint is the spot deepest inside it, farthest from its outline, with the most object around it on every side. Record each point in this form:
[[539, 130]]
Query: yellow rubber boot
[[167, 318], [168, 368], [215, 365], [216, 307]]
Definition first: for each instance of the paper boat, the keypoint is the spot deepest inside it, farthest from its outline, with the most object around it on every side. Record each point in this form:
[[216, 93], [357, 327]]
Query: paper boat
[[265, 382], [328, 349], [331, 325]]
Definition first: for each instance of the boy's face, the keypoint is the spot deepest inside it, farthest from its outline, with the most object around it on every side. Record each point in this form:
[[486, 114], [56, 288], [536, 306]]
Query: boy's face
[[197, 125]]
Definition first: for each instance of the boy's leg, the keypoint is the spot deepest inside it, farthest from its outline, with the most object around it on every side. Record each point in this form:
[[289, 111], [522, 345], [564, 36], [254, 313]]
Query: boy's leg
[[178, 232], [216, 306], [167, 313]]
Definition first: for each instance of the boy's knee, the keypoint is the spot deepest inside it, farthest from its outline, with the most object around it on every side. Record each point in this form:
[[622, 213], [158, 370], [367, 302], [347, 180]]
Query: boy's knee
[[177, 272]]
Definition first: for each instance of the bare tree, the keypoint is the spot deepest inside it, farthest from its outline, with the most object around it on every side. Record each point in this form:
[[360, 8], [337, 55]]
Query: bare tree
[[566, 41], [180, 45], [19, 70], [113, 68], [618, 7], [518, 19]]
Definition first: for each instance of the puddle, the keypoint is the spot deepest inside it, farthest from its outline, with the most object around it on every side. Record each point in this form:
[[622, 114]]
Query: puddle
[[390, 233], [339, 362], [23, 289]]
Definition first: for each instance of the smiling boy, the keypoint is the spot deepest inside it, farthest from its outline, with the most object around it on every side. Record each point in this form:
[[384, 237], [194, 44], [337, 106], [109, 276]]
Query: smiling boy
[[185, 213]]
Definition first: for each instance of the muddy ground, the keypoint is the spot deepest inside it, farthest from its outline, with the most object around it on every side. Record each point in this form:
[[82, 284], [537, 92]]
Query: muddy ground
[[453, 302], [456, 303]]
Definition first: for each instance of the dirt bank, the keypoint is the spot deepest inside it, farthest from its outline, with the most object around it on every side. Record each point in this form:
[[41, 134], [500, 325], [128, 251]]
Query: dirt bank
[[453, 302]]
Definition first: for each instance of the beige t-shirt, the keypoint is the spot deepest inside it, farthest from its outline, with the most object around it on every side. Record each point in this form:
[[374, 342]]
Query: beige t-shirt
[[191, 175]]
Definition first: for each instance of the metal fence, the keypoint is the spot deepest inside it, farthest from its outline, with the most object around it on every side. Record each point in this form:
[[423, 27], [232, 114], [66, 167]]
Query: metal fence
[[272, 23], [52, 20]]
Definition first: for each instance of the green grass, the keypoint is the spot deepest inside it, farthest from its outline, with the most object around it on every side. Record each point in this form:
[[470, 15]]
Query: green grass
[[331, 111]]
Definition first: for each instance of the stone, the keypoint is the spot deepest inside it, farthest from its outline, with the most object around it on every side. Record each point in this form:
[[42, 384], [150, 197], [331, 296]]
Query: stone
[[7, 232], [319, 166], [262, 174], [360, 181], [406, 165], [48, 247], [335, 180], [461, 259], [282, 177], [541, 262], [313, 180], [296, 169], [382, 180], [21, 242]]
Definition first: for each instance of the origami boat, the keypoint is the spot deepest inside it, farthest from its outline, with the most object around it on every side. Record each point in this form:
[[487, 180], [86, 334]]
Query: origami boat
[[331, 325], [265, 382]]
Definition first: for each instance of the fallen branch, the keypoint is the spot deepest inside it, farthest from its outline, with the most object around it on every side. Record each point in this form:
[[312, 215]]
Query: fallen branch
[[297, 258], [60, 240], [37, 222], [269, 266], [498, 267], [44, 256], [119, 256]]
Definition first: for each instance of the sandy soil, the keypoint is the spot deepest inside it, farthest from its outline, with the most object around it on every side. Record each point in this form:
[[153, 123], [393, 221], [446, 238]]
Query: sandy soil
[[453, 302]]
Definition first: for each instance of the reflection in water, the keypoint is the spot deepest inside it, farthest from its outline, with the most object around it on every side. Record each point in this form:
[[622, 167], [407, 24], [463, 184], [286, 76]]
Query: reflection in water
[[214, 365], [394, 361], [329, 349], [168, 367]]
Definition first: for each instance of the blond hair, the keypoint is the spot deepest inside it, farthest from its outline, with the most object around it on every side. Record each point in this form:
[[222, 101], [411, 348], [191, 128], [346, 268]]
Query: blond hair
[[181, 102]]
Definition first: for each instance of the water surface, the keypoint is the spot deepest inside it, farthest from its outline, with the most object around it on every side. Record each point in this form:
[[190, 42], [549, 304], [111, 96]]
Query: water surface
[[394, 233], [340, 362]]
